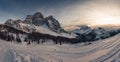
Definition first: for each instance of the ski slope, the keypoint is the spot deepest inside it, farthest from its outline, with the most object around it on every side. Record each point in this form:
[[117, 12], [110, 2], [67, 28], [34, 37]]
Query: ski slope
[[107, 50]]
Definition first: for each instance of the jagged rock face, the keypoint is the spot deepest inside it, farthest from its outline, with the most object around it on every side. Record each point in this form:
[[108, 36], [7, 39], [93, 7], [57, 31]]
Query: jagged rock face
[[18, 24], [13, 23], [28, 19], [11, 34], [38, 19], [9, 22], [53, 24]]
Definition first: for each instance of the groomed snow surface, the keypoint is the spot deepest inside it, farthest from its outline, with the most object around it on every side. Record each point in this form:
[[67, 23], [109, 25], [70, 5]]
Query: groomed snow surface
[[107, 50]]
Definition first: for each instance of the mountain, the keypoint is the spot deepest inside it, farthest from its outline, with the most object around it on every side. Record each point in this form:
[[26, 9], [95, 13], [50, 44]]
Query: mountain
[[38, 23], [101, 33], [39, 29], [90, 34], [37, 20]]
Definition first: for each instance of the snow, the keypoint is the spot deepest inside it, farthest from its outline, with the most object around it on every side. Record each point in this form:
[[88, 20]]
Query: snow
[[106, 50], [83, 30], [43, 29]]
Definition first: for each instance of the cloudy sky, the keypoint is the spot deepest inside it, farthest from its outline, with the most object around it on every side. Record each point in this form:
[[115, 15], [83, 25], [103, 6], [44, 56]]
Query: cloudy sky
[[68, 12]]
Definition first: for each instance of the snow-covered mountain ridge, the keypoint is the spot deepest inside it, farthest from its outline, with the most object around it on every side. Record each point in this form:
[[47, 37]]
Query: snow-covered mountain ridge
[[38, 23], [40, 29], [89, 33]]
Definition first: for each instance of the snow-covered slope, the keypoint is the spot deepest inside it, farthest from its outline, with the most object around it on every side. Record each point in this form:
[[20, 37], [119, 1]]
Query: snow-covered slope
[[106, 50], [42, 29]]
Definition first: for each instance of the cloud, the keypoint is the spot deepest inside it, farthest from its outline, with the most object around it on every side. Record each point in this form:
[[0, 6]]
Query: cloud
[[83, 13], [67, 12]]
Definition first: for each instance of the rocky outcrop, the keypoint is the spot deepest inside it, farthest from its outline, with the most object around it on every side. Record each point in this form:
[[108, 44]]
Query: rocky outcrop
[[28, 19], [13, 23], [21, 25], [53, 24], [101, 33]]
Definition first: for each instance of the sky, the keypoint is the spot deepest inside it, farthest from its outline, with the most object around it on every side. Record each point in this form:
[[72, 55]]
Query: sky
[[67, 12]]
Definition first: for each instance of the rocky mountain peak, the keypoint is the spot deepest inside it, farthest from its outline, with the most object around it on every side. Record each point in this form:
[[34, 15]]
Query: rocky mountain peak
[[50, 17], [38, 15], [13, 23], [28, 19], [53, 24], [37, 19], [9, 21]]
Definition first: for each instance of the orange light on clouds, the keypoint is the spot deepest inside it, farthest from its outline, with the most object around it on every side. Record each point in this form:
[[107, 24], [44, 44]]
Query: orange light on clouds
[[92, 12], [103, 18]]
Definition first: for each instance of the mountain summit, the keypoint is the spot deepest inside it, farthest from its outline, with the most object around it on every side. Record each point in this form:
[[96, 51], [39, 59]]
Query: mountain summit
[[53, 24], [36, 20]]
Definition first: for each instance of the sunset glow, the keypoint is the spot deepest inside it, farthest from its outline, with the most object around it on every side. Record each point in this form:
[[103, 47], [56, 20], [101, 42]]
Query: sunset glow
[[101, 18]]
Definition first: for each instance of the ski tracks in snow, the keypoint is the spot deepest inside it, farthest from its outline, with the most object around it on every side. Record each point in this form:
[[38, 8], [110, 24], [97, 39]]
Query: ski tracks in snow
[[111, 53], [10, 52]]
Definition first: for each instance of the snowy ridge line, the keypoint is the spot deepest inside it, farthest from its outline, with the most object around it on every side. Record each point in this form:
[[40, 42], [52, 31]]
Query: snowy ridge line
[[110, 54]]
